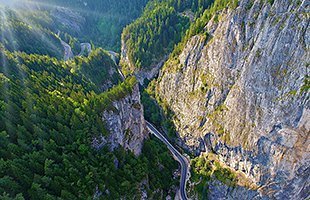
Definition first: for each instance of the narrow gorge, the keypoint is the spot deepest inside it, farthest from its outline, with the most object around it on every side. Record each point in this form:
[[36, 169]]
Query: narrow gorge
[[154, 99], [238, 91]]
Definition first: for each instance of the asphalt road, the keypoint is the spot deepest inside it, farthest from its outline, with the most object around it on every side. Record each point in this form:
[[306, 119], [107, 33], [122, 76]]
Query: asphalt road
[[68, 52], [178, 156]]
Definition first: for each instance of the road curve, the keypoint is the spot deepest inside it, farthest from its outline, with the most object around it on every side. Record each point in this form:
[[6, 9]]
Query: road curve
[[178, 156], [68, 51], [85, 46], [68, 54]]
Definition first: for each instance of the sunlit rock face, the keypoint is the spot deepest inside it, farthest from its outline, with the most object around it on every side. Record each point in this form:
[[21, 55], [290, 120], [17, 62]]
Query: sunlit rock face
[[242, 93], [69, 19], [125, 124]]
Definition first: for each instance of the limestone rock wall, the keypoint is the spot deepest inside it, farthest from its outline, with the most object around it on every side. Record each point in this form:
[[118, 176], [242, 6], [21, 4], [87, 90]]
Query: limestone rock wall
[[242, 93], [126, 123]]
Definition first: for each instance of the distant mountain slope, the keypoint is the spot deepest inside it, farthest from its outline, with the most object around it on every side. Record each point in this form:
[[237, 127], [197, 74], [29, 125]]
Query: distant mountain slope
[[23, 31], [100, 21]]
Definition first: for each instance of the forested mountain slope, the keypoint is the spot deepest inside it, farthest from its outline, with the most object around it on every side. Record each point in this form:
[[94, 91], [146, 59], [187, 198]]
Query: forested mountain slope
[[49, 120], [55, 136], [24, 32]]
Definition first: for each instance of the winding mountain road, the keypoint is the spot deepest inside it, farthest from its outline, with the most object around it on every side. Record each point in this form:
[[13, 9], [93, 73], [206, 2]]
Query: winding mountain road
[[178, 156], [68, 54]]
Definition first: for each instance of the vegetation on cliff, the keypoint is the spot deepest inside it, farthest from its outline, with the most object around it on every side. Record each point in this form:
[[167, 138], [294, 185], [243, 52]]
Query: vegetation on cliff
[[162, 25]]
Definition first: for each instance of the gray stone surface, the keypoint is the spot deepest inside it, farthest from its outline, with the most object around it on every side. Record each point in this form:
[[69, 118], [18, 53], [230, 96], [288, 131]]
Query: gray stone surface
[[126, 123], [219, 191], [238, 93]]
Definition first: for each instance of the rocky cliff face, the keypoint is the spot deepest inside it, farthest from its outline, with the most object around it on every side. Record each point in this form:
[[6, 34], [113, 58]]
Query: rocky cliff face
[[68, 18], [125, 124], [242, 93]]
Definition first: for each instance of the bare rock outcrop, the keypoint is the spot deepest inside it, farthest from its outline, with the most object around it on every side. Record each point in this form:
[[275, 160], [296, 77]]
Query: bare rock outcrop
[[126, 124]]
